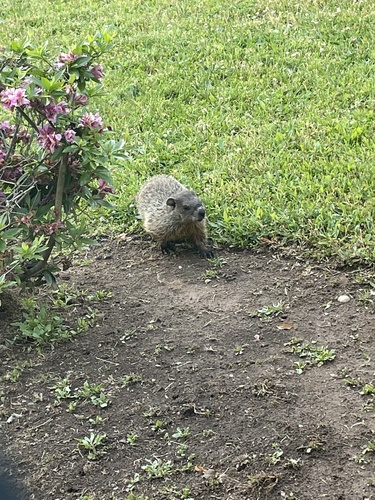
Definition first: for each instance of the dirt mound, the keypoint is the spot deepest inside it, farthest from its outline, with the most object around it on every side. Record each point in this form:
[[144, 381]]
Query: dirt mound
[[245, 378]]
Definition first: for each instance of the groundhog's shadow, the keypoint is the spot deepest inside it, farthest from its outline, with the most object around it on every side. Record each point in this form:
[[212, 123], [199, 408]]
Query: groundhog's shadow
[[178, 248], [10, 488]]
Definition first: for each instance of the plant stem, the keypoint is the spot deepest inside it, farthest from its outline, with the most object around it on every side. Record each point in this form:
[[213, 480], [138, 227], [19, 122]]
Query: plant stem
[[28, 119], [33, 271], [60, 187]]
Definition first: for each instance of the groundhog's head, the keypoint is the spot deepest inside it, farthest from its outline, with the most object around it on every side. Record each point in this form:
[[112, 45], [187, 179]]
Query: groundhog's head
[[187, 205]]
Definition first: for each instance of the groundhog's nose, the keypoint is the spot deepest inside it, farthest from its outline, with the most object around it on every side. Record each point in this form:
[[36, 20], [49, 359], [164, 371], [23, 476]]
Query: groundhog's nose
[[201, 213]]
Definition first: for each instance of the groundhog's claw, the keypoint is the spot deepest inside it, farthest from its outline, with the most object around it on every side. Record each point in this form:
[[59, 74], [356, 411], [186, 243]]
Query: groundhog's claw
[[167, 248], [206, 252], [209, 254]]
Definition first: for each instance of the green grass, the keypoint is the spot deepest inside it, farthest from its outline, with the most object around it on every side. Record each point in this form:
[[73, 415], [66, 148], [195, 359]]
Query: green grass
[[265, 108]]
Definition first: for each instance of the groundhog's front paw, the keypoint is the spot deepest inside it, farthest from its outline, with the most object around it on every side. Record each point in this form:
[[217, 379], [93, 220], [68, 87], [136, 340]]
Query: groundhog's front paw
[[208, 253], [167, 248]]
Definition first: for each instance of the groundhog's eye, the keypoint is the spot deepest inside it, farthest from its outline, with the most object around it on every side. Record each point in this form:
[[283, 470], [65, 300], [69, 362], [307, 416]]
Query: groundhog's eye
[[186, 207]]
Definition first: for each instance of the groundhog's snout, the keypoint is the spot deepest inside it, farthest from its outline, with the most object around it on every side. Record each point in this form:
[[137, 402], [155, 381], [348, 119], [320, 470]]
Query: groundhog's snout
[[201, 213]]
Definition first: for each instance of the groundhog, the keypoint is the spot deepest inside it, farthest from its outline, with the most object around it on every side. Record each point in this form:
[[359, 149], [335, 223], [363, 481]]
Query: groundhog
[[171, 213]]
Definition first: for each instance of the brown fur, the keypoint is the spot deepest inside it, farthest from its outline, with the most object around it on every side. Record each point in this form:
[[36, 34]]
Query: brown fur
[[171, 213]]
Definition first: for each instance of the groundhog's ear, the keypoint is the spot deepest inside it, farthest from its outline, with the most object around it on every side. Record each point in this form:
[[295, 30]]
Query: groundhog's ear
[[171, 202]]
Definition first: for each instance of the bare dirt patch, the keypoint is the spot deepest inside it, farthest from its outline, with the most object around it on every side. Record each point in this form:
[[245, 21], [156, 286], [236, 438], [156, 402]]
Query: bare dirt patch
[[202, 398]]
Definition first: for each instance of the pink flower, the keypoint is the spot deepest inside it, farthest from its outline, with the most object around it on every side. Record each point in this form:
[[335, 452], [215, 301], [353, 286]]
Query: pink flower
[[11, 174], [53, 228], [90, 120], [26, 82], [70, 90], [50, 112], [104, 189], [62, 108], [13, 98], [69, 135], [23, 136], [65, 59], [48, 138], [81, 100], [97, 71], [6, 128], [53, 110]]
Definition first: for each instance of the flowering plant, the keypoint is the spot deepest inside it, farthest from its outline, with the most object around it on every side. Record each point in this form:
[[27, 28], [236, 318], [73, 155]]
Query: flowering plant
[[54, 153]]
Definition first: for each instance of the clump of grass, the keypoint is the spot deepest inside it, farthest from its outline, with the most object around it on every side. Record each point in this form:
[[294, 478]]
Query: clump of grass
[[40, 325], [43, 326], [92, 444], [158, 468], [368, 449], [92, 393], [311, 354], [131, 379]]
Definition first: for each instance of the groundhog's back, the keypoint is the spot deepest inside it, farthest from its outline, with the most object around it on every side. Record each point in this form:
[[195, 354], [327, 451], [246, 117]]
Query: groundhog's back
[[154, 193]]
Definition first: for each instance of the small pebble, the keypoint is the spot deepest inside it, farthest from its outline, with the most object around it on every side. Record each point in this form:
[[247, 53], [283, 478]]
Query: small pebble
[[343, 299]]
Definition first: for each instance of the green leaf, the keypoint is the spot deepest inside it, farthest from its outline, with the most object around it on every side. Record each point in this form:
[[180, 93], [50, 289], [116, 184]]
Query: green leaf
[[84, 178], [81, 61], [4, 283], [3, 221], [105, 203], [20, 45], [103, 173], [58, 153], [72, 147], [43, 210], [11, 233], [49, 277], [120, 156]]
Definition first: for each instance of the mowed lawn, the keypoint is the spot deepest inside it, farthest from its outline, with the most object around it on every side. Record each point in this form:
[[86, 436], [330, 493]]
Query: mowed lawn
[[265, 108]]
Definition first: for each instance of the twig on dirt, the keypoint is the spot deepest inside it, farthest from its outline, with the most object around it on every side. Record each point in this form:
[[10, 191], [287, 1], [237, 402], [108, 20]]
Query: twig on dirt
[[44, 423], [159, 280], [107, 361]]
